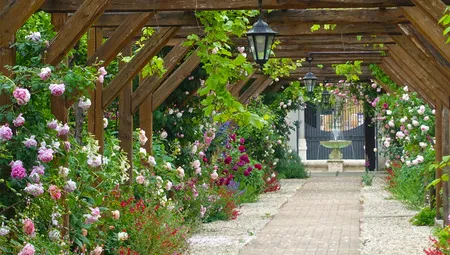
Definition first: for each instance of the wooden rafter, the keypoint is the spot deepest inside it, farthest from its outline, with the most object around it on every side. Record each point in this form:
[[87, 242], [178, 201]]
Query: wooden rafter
[[186, 5], [428, 27], [252, 88], [236, 88], [150, 84], [330, 47], [13, 17], [434, 8], [122, 36], [151, 48], [74, 29], [174, 80], [292, 17]]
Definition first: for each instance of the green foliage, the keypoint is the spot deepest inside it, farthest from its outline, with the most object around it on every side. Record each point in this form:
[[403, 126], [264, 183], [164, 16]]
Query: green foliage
[[349, 69], [316, 27], [291, 167], [383, 77], [367, 178], [425, 217], [445, 22], [280, 67]]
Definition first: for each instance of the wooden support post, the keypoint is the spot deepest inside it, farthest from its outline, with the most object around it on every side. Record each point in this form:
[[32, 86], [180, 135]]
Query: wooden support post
[[236, 88], [250, 90], [174, 80], [439, 155], [7, 54], [146, 120], [126, 118], [122, 36], [148, 85], [14, 16], [445, 152], [74, 29], [429, 28], [95, 112], [131, 69]]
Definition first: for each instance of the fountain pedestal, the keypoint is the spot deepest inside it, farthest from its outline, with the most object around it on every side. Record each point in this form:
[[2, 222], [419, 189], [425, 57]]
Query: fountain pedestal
[[335, 163]]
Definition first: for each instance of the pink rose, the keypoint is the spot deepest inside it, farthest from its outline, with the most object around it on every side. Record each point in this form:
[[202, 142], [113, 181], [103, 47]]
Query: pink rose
[[62, 129], [102, 71], [55, 192], [140, 179], [101, 79], [52, 124], [17, 170], [30, 142], [19, 121], [67, 146], [28, 227], [57, 89], [28, 249], [22, 96], [5, 133], [45, 73], [45, 155], [34, 189], [38, 169], [98, 250]]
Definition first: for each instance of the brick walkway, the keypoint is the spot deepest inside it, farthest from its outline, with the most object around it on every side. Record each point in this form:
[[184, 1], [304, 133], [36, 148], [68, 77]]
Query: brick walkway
[[322, 218]]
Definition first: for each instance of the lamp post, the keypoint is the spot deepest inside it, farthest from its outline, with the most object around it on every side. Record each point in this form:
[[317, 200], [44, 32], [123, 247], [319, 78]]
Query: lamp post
[[310, 79], [261, 38]]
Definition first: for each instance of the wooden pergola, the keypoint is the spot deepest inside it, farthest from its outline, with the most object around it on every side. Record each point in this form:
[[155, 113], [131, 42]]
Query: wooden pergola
[[406, 30]]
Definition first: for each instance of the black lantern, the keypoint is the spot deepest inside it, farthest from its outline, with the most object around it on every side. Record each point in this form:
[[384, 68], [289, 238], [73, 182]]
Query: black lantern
[[260, 39], [326, 97], [310, 79]]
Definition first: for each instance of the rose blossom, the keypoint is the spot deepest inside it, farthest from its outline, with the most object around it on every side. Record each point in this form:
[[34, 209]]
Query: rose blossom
[[19, 121], [84, 103], [38, 169], [169, 185], [164, 135], [63, 129], [142, 137], [196, 164], [70, 186], [28, 227], [34, 189], [45, 155], [202, 211], [97, 251], [421, 110], [55, 192], [214, 175], [17, 170], [57, 89], [115, 214], [63, 171], [22, 96], [52, 124], [94, 160], [30, 142], [415, 123], [34, 36], [424, 128], [45, 73], [54, 235], [28, 249], [105, 122], [122, 236], [151, 160], [140, 179], [180, 172], [423, 145], [5, 133]]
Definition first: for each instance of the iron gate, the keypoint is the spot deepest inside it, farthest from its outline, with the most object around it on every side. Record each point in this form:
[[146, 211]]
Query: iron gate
[[318, 127]]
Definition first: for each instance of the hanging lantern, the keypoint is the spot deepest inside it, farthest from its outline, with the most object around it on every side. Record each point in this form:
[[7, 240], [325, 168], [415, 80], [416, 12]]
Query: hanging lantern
[[326, 97], [310, 79], [261, 38]]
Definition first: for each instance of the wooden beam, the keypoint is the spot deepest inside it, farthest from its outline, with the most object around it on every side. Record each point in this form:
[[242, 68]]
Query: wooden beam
[[429, 28], [427, 64], [394, 69], [252, 88], [200, 5], [74, 29], [7, 55], [268, 82], [146, 120], [151, 48], [148, 85], [123, 35], [327, 39], [330, 47], [236, 88], [293, 17], [174, 80], [126, 117], [415, 70], [96, 111], [15, 15], [434, 8], [445, 151]]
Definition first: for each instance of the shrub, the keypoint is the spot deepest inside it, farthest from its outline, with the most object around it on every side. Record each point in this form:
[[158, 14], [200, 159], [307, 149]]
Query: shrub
[[367, 178], [424, 218], [291, 167]]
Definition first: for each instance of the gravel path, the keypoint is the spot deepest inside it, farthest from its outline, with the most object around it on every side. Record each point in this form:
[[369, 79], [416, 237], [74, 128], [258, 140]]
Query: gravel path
[[228, 237], [385, 226]]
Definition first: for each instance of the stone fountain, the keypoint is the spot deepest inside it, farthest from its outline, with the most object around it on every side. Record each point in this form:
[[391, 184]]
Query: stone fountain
[[335, 162]]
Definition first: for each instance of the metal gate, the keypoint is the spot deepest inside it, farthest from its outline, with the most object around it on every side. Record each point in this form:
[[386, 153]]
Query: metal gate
[[319, 124]]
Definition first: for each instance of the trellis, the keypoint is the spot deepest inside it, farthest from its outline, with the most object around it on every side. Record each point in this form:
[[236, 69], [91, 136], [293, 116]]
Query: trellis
[[408, 30]]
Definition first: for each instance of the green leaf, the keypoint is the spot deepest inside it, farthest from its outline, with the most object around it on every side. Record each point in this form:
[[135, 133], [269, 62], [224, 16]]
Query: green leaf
[[315, 27], [444, 177], [434, 183], [359, 37]]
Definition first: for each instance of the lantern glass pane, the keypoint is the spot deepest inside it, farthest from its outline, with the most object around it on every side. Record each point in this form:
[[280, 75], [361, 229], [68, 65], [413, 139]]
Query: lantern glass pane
[[260, 46], [269, 45], [252, 45]]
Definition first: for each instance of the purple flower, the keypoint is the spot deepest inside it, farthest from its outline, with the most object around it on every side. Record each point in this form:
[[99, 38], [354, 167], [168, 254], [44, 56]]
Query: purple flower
[[17, 170], [30, 142], [19, 121], [57, 89], [45, 155], [45, 73], [5, 133], [22, 96]]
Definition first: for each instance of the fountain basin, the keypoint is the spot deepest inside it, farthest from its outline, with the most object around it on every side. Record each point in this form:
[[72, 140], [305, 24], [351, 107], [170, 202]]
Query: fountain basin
[[336, 146]]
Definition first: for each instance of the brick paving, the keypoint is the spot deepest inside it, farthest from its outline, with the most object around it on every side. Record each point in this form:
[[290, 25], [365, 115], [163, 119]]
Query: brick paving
[[322, 218]]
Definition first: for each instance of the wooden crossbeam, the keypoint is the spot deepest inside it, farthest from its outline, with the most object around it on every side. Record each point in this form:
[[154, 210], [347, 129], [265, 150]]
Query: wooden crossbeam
[[151, 48], [236, 88], [324, 70], [150, 84], [199, 5], [123, 35], [330, 47], [434, 8], [174, 80], [428, 27], [252, 88], [293, 17], [327, 39], [74, 29], [14, 16], [410, 64]]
